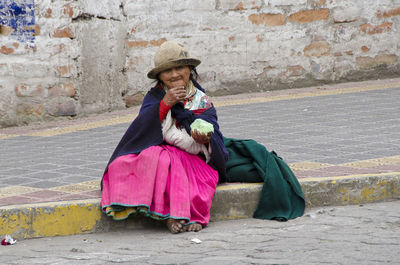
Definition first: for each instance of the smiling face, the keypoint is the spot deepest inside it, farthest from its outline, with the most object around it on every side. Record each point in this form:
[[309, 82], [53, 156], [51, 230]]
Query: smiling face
[[176, 77]]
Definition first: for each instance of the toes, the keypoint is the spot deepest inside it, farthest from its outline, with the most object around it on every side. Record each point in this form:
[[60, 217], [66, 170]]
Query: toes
[[175, 226], [178, 226], [175, 229], [181, 226], [195, 227]]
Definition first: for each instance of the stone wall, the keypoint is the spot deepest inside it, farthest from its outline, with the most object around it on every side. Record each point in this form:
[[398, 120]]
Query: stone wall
[[68, 58]]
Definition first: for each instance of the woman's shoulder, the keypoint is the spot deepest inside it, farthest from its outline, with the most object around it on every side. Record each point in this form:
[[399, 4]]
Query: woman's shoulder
[[155, 92], [152, 97]]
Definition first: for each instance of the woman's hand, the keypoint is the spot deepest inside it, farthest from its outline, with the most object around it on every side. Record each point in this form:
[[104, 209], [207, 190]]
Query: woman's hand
[[200, 137], [175, 95]]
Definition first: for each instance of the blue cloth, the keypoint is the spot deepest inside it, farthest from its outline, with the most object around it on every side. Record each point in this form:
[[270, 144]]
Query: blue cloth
[[146, 131]]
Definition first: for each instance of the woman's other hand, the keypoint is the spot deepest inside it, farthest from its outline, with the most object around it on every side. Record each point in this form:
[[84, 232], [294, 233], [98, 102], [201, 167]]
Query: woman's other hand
[[200, 137], [175, 95]]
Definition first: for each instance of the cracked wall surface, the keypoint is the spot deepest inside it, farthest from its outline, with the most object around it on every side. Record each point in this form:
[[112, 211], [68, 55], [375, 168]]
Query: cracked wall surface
[[71, 58]]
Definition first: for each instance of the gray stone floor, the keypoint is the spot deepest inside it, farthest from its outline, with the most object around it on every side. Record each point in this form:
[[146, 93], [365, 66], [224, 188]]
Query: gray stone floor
[[332, 129], [328, 129], [366, 234]]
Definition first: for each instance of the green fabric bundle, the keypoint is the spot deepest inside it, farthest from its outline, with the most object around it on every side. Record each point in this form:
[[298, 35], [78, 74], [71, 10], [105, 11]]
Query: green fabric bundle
[[281, 196]]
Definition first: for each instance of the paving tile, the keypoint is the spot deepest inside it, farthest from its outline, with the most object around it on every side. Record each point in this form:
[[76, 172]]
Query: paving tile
[[363, 163], [93, 183], [15, 190], [45, 167], [45, 184], [10, 181], [99, 166], [46, 175], [308, 174], [387, 152], [76, 188], [95, 193], [68, 162], [16, 171], [75, 179], [319, 136], [15, 200], [338, 160], [77, 196], [349, 170], [81, 170], [388, 168], [46, 194], [307, 165], [338, 171]]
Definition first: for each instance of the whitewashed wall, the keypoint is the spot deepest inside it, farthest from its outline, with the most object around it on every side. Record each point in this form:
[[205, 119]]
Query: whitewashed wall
[[71, 58]]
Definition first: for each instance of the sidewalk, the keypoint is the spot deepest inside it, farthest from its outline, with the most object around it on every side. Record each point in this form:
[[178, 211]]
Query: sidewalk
[[342, 141]]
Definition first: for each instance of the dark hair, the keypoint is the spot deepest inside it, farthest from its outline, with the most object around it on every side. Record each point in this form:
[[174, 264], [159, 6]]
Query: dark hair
[[193, 75]]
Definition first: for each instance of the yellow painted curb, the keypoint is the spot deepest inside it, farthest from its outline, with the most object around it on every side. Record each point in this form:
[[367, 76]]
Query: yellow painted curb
[[231, 201], [354, 189], [50, 219]]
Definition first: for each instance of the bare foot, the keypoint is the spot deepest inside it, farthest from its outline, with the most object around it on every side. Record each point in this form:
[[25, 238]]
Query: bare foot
[[175, 226], [194, 227]]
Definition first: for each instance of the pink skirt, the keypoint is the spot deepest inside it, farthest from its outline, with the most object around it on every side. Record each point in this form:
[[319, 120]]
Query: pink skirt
[[167, 181]]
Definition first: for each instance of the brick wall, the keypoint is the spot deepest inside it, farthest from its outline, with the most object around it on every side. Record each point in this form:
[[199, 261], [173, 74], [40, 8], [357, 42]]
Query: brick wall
[[61, 59]]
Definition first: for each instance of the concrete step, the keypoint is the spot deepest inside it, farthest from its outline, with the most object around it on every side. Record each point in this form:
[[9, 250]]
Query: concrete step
[[231, 201]]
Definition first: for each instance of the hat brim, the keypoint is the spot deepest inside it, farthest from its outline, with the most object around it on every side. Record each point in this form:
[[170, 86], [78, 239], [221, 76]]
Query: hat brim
[[153, 74]]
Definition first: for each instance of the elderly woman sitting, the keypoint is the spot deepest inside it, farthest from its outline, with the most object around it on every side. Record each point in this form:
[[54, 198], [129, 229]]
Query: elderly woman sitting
[[169, 161]]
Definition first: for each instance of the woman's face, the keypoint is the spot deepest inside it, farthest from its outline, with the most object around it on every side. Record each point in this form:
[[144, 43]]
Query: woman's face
[[175, 77]]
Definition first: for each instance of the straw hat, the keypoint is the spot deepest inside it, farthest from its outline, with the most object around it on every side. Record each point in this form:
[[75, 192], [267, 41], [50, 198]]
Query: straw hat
[[171, 54]]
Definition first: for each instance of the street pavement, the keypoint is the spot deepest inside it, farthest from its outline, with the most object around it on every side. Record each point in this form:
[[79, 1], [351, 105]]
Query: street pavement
[[340, 130], [329, 134], [358, 234]]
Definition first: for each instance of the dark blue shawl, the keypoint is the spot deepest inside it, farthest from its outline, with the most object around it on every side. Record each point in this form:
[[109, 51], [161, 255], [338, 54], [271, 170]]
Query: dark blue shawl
[[146, 131]]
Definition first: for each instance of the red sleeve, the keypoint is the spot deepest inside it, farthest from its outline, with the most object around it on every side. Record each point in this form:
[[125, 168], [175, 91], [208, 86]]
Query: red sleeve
[[164, 108]]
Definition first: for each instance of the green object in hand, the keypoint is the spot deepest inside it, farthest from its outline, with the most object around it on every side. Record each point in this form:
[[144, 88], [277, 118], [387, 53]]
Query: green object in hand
[[202, 126]]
